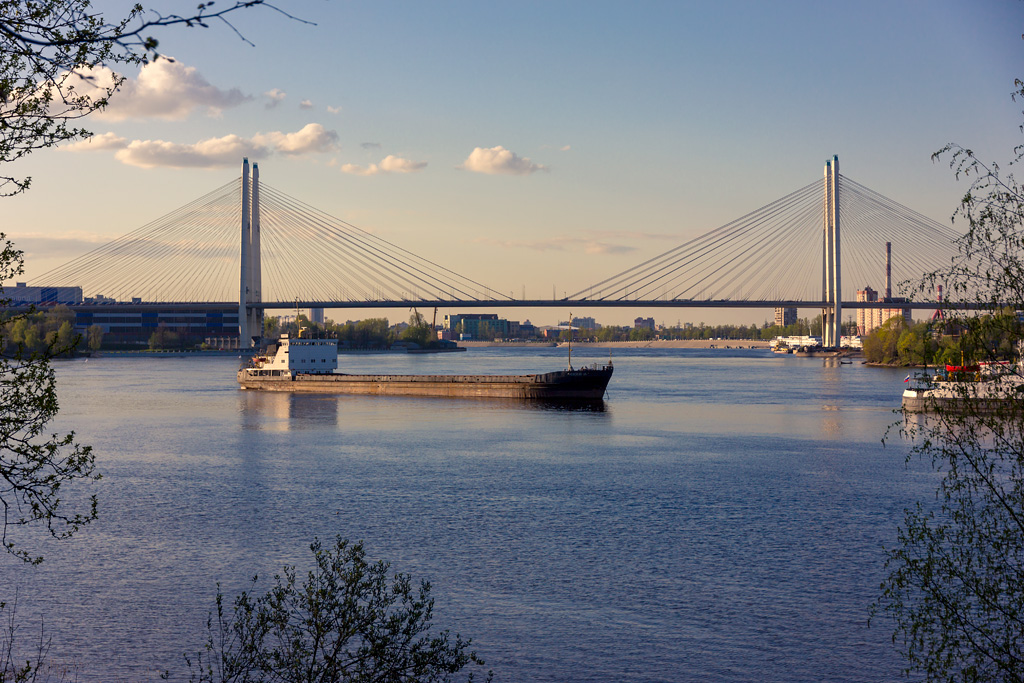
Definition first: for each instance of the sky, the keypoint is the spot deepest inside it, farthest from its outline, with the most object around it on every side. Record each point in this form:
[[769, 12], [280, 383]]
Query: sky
[[538, 146]]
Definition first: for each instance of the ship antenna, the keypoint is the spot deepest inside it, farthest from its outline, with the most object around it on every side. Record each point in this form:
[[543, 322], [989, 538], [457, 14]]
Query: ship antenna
[[570, 340]]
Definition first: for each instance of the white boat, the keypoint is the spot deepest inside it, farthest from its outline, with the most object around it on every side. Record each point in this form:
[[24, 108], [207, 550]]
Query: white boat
[[986, 387]]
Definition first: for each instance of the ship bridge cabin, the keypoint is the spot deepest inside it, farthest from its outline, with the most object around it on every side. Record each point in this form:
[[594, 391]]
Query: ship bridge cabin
[[298, 356]]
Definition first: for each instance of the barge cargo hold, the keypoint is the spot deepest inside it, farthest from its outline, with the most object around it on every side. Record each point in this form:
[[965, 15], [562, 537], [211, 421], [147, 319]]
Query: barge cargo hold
[[308, 365]]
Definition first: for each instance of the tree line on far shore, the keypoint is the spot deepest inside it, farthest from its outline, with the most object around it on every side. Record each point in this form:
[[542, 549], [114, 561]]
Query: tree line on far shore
[[937, 342], [894, 343], [39, 329], [378, 333], [54, 328]]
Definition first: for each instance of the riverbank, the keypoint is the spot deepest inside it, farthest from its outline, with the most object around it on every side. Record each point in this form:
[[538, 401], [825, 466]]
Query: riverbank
[[651, 344], [167, 353]]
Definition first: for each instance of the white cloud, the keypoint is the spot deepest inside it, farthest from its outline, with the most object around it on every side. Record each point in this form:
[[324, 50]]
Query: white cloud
[[274, 97], [333, 110], [355, 169], [306, 104], [498, 160], [312, 138], [390, 164], [565, 148], [97, 143], [393, 164], [213, 152], [164, 90]]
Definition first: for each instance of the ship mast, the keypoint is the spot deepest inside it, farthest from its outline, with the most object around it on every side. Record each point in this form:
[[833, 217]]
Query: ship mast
[[570, 340]]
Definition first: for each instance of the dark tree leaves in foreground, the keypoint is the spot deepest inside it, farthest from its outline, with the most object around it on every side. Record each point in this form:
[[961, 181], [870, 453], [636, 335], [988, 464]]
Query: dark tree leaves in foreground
[[955, 585], [346, 621], [34, 464]]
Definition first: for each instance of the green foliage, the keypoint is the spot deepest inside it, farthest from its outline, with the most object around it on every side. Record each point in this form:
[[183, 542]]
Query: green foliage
[[419, 331], [955, 583], [271, 328], [641, 334], [347, 621], [372, 333], [164, 338], [34, 464], [753, 331], [421, 335], [485, 332], [985, 337], [94, 337], [35, 331], [916, 345], [882, 345], [954, 588]]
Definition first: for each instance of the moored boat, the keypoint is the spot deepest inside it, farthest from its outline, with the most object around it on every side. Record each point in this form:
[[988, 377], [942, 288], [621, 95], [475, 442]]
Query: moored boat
[[308, 365], [987, 387]]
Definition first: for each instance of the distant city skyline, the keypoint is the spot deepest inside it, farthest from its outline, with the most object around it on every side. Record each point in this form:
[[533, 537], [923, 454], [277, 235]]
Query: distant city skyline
[[577, 138]]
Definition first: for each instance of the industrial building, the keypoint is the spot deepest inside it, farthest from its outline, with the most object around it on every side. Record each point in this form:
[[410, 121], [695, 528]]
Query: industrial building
[[23, 295], [131, 325]]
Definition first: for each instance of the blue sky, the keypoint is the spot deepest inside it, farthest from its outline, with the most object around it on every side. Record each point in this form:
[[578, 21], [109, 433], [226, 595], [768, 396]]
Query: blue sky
[[624, 128]]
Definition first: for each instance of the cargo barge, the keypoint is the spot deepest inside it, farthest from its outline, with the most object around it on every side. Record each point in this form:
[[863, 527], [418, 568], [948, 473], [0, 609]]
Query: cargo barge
[[308, 365]]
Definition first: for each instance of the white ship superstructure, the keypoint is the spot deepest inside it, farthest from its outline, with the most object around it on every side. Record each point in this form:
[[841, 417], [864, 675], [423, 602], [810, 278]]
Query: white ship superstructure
[[291, 356]]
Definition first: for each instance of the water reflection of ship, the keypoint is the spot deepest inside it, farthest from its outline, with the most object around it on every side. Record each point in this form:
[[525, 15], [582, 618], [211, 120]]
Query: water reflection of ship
[[283, 412]]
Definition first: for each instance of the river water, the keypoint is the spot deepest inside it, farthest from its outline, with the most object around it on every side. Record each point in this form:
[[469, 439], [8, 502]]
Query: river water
[[722, 519]]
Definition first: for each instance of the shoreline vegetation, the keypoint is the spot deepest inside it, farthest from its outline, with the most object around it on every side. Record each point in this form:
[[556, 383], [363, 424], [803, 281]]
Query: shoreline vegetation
[[648, 344], [940, 342], [755, 344]]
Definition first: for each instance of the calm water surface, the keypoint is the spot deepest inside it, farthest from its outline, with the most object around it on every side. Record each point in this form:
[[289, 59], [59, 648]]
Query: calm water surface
[[721, 519]]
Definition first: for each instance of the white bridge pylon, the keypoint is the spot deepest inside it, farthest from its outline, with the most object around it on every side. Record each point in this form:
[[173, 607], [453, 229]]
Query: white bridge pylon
[[250, 320], [831, 271]]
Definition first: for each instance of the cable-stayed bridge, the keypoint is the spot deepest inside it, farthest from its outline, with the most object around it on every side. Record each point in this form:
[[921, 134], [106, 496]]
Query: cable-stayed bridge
[[249, 243]]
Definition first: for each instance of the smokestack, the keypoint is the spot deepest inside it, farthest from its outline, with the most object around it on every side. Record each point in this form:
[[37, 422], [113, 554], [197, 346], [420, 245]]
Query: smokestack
[[940, 294], [888, 270]]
